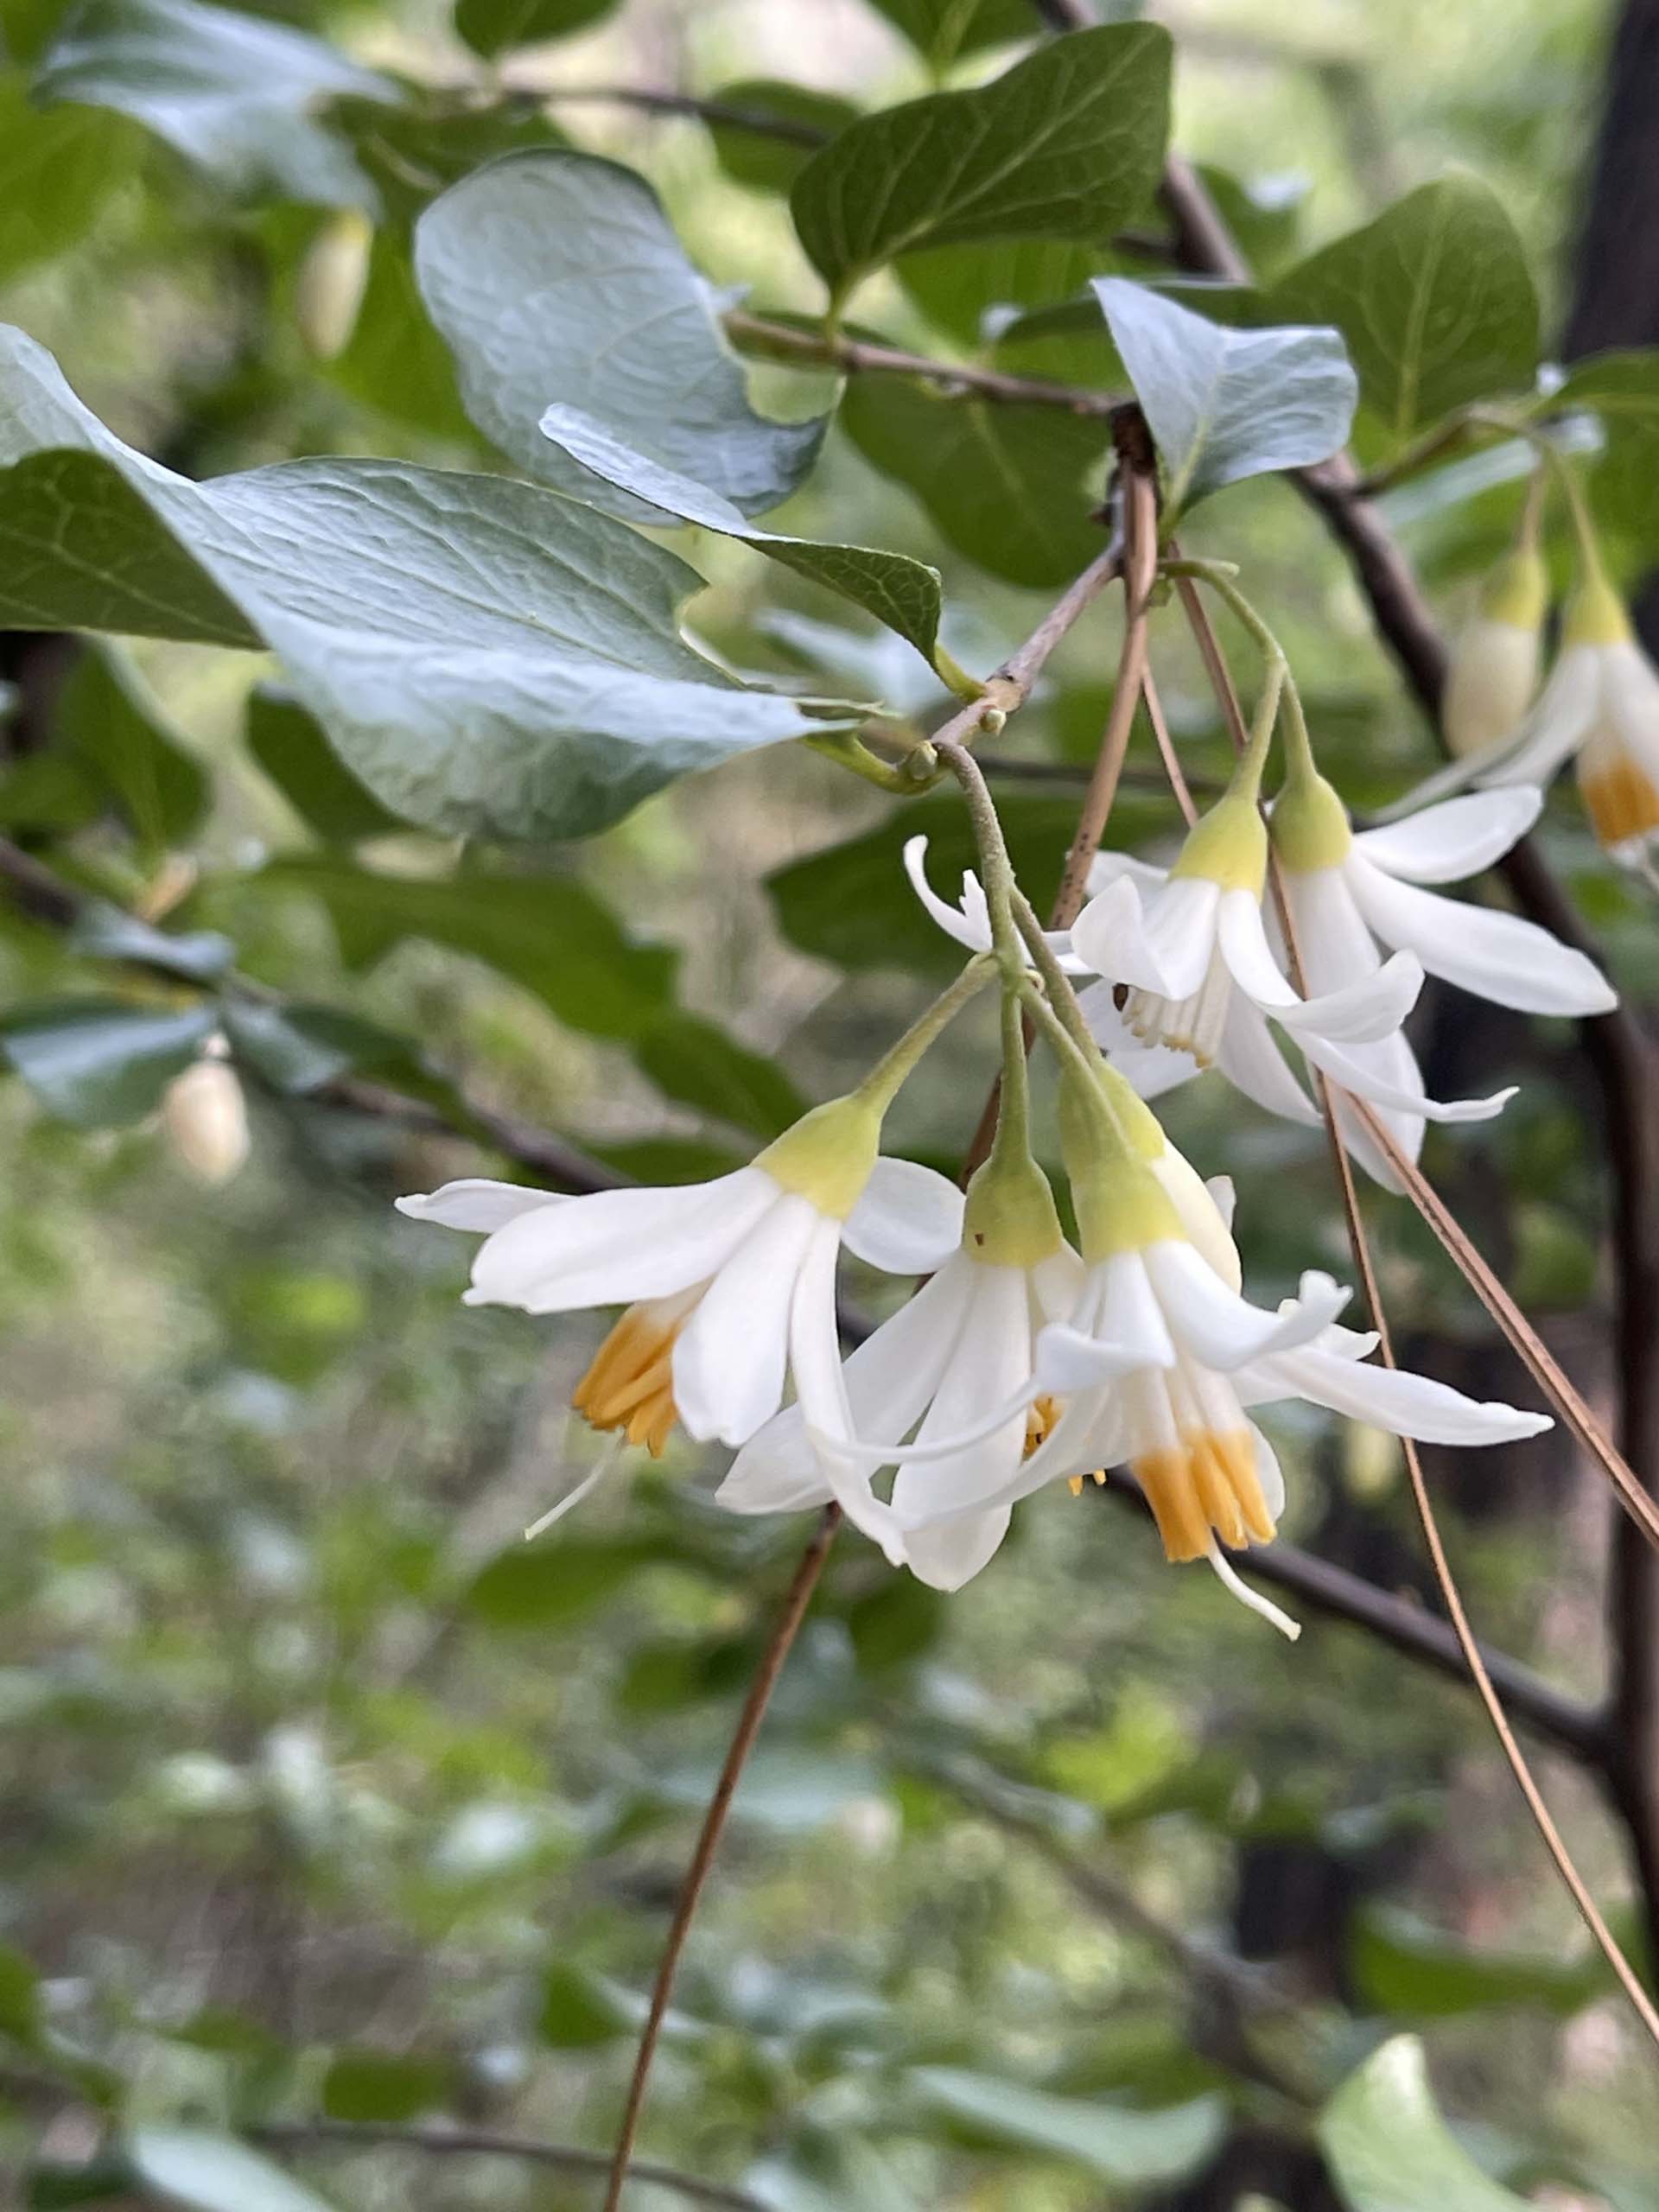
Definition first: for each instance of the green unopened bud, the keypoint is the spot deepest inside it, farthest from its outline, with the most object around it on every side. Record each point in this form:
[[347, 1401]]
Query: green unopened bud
[[1310, 825], [826, 1158], [1011, 1220], [1229, 845]]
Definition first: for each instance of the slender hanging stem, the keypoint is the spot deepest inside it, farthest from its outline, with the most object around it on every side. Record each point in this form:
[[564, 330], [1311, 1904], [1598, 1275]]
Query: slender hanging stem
[[793, 1612], [1359, 1242], [880, 1086]]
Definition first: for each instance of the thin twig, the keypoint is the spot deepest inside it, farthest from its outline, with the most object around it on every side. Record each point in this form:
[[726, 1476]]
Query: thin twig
[[793, 1612], [486, 2143], [1140, 559], [787, 341], [1359, 1242]]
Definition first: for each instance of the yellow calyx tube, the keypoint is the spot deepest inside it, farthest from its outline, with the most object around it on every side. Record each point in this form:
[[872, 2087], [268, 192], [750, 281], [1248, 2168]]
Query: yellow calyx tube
[[1309, 824], [630, 1385], [1120, 1205], [1229, 845], [1595, 615], [826, 1158], [1517, 591], [1010, 1219]]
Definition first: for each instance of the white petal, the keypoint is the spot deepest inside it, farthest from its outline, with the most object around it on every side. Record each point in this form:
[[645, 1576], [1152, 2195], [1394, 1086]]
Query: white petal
[[908, 1220], [820, 1392], [991, 1362], [947, 1553], [1057, 1285], [730, 1358], [1222, 1330], [1199, 1212], [1362, 1076], [1269, 1474], [1631, 694], [889, 1380], [1372, 1006], [1457, 838], [613, 1247], [476, 1202], [969, 923], [1556, 726], [1181, 925], [1149, 1070], [1495, 955], [1127, 1315], [1252, 1063], [1107, 866], [1249, 958], [1409, 1405], [1223, 1196]]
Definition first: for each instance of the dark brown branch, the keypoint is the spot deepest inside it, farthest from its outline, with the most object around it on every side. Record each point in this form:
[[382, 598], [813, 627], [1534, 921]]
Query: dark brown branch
[[485, 2143]]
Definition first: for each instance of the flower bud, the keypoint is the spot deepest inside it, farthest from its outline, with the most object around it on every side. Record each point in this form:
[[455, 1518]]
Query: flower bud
[[331, 283], [1494, 672], [207, 1120]]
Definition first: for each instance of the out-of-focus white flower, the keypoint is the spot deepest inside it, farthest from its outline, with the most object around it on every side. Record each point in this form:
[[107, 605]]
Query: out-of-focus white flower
[[729, 1285], [206, 1118], [1492, 678], [1601, 703], [1351, 895]]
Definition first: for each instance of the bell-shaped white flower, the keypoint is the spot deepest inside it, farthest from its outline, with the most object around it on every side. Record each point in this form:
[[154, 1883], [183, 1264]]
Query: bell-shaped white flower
[[1352, 896], [1163, 1359], [1492, 676], [729, 1286], [1601, 703], [1205, 981], [956, 1359]]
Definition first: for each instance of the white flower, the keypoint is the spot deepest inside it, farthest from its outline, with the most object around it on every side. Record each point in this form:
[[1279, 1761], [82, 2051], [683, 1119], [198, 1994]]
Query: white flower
[[956, 1356], [729, 1285], [1158, 1368], [1493, 674], [1348, 891], [1602, 704], [206, 1118]]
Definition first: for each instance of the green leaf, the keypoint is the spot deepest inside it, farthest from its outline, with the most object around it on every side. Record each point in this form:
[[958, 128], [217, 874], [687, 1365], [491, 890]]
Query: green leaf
[[493, 27], [394, 359], [418, 148], [1222, 403], [106, 714], [558, 274], [902, 592], [213, 2173], [1014, 488], [577, 2010], [541, 1586], [369, 2085], [964, 289], [1129, 2147], [298, 1048], [488, 660], [942, 30], [1067, 144], [692, 1061], [232, 92], [20, 1997], [1402, 1965], [289, 746], [58, 170], [764, 162], [852, 904], [1434, 298], [1390, 2150], [111, 933], [97, 1063], [548, 933], [1622, 391]]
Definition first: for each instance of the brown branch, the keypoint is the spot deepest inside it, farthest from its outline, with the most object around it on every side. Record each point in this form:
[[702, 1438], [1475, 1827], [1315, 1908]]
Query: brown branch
[[784, 341], [480, 2142], [714, 1823]]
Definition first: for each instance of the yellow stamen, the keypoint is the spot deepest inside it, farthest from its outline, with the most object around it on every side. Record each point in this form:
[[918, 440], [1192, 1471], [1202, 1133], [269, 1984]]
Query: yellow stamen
[[1075, 1482], [1040, 1416], [630, 1385], [1618, 796], [1207, 1483]]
